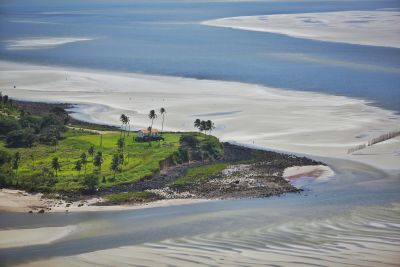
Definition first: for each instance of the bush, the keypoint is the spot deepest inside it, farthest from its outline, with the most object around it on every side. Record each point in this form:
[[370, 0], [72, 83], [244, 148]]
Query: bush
[[189, 140], [5, 157], [48, 135], [202, 147], [91, 182], [8, 125], [6, 175], [30, 121], [20, 138]]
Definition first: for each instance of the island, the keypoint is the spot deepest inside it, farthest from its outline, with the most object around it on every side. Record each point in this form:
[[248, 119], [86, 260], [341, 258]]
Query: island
[[53, 162]]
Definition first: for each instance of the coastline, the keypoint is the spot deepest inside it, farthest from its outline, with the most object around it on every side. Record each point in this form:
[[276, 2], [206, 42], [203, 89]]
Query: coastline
[[286, 120], [247, 173], [12, 200], [375, 28]]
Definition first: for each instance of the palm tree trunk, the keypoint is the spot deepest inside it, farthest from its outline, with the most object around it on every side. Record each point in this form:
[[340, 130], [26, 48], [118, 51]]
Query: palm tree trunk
[[151, 128], [125, 131], [162, 125]]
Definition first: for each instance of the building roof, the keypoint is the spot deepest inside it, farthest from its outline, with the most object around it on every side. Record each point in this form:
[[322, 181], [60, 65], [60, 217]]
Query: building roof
[[147, 131]]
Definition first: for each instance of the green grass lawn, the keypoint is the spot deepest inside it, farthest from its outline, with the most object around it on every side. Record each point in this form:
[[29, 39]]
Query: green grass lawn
[[140, 159], [200, 174], [130, 196]]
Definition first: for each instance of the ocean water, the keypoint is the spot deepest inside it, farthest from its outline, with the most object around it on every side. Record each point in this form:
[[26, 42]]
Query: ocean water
[[165, 37], [353, 217]]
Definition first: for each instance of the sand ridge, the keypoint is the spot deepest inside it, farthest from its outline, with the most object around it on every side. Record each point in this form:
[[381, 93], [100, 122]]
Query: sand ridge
[[376, 28], [303, 122]]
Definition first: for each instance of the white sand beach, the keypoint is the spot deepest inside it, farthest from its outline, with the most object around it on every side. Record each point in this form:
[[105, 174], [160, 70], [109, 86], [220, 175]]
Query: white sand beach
[[303, 122], [376, 28], [20, 201]]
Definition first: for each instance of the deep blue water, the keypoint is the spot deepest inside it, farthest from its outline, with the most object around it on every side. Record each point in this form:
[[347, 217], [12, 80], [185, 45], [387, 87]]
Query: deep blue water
[[165, 37]]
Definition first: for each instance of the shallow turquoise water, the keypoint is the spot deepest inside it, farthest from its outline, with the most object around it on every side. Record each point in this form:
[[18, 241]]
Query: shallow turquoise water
[[355, 205], [165, 37]]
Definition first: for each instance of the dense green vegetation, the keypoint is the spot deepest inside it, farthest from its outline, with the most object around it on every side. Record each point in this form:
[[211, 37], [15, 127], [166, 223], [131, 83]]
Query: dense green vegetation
[[35, 170], [40, 150], [20, 128], [200, 174], [139, 196], [198, 147]]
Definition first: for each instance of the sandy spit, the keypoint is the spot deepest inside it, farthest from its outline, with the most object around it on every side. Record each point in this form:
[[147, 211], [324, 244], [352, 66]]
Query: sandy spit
[[303, 122], [376, 28], [21, 201]]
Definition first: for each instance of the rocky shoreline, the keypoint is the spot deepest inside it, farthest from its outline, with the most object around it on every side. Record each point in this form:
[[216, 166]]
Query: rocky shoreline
[[247, 173], [251, 173]]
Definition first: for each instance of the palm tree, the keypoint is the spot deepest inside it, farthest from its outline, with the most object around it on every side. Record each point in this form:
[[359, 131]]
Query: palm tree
[[152, 116], [210, 126], [121, 144], [121, 159], [55, 164], [84, 160], [33, 161], [115, 164], [5, 99], [162, 111], [122, 118], [101, 142], [54, 142], [128, 120], [197, 124], [98, 160], [15, 163], [78, 166], [91, 151], [203, 126]]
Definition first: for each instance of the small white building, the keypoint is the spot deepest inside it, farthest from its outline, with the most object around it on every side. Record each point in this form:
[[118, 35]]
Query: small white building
[[145, 133]]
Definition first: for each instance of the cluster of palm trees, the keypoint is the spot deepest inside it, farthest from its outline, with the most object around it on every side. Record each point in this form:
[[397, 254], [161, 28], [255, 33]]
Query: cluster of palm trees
[[205, 126], [119, 157], [125, 122], [152, 116], [97, 160]]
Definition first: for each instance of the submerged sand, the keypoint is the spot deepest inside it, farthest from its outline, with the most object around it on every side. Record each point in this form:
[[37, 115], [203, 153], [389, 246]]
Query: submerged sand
[[36, 236], [376, 28], [303, 122], [361, 238]]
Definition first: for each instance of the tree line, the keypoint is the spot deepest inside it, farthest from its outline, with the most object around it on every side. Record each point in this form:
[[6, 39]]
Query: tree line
[[204, 126]]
